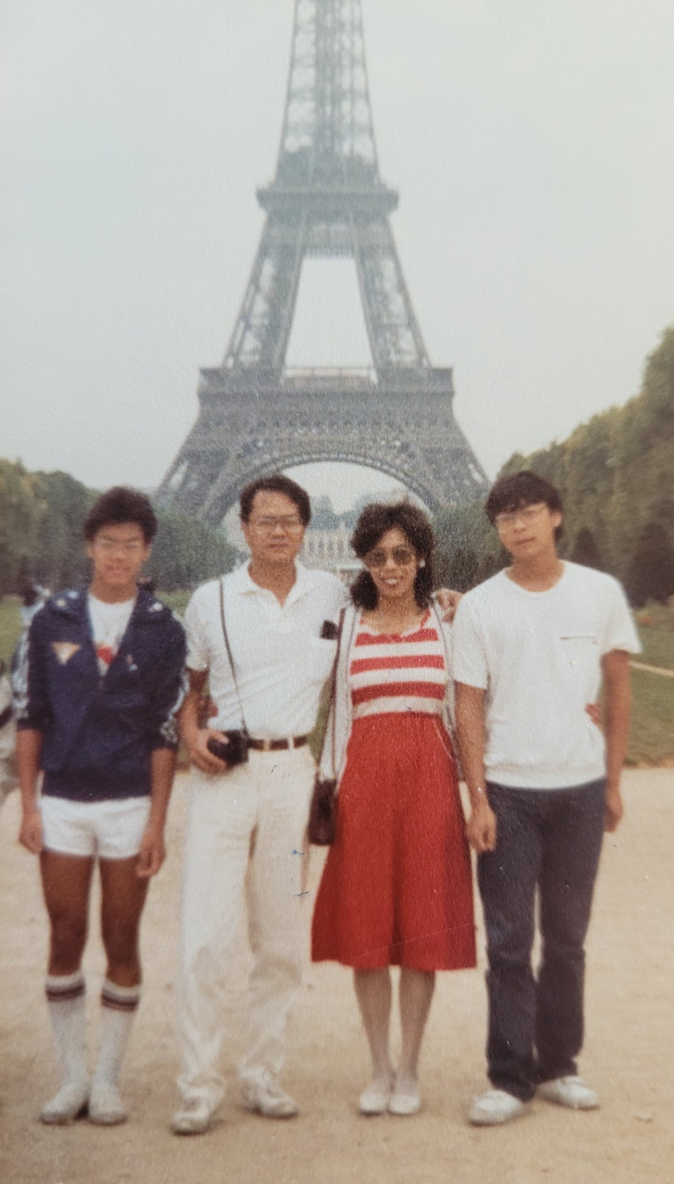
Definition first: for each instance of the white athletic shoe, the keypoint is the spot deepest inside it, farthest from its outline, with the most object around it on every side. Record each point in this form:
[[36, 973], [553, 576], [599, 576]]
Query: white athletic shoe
[[193, 1119], [267, 1098], [70, 1102], [569, 1091], [106, 1107], [495, 1107]]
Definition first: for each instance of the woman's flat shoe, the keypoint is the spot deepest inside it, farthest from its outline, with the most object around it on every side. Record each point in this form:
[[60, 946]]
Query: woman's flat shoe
[[404, 1103], [374, 1099]]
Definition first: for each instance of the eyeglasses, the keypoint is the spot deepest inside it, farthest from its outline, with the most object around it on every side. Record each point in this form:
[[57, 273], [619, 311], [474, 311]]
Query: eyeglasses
[[108, 546], [403, 556], [291, 524], [526, 515]]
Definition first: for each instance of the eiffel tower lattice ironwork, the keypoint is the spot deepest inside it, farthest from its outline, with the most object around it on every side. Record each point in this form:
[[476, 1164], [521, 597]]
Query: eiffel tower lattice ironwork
[[327, 199]]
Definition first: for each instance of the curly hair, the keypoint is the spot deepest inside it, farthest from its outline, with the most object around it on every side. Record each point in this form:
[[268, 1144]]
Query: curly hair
[[375, 520]]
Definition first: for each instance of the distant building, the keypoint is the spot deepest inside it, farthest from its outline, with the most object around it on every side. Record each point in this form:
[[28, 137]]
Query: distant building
[[326, 542]]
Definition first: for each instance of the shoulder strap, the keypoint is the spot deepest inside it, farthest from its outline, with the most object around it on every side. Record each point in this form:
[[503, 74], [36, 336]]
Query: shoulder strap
[[331, 694], [229, 651]]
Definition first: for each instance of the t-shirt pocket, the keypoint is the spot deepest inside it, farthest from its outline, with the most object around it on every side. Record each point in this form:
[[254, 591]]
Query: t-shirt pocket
[[580, 653]]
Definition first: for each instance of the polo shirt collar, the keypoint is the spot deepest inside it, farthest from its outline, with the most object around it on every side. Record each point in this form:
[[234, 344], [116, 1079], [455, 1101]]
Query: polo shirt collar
[[244, 584]]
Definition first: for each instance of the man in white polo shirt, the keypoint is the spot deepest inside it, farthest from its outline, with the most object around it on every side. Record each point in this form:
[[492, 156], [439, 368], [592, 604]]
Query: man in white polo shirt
[[531, 648], [246, 829]]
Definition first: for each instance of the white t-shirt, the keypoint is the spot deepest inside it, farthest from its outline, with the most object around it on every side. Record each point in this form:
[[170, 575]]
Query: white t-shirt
[[280, 658], [108, 623], [538, 656]]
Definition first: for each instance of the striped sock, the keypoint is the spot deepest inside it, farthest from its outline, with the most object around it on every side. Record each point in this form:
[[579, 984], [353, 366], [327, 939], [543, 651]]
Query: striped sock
[[118, 1008], [65, 1003]]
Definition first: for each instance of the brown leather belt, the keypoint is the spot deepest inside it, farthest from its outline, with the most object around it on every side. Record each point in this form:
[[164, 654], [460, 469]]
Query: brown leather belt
[[275, 745]]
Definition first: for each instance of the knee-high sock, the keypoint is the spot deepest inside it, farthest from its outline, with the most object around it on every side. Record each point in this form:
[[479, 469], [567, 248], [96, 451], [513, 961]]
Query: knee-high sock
[[118, 1008], [65, 1002]]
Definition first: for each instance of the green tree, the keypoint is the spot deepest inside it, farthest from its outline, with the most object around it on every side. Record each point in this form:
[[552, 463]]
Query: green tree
[[585, 550], [650, 575]]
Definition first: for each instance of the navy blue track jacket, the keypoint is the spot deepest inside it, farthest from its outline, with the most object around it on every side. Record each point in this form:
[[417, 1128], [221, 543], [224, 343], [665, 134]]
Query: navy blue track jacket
[[99, 731]]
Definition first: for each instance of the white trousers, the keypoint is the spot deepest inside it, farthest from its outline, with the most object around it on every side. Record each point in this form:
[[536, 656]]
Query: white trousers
[[244, 849]]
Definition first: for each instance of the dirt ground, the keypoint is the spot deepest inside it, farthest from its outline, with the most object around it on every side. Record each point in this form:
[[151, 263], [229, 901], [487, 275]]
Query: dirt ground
[[628, 1056]]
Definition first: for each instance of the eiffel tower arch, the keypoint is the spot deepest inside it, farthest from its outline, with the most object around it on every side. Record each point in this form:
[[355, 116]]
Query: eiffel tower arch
[[327, 199]]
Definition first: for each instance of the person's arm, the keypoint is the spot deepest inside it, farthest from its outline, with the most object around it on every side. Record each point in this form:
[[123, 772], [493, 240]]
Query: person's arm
[[195, 738], [617, 705], [28, 759], [152, 848], [470, 736]]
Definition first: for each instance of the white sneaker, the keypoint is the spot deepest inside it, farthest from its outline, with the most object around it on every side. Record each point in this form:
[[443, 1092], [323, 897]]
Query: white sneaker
[[194, 1118], [571, 1092], [106, 1107], [375, 1098], [495, 1107], [267, 1098], [70, 1102]]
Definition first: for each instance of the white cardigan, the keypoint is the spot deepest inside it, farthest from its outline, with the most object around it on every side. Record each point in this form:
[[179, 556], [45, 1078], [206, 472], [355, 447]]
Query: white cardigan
[[340, 717]]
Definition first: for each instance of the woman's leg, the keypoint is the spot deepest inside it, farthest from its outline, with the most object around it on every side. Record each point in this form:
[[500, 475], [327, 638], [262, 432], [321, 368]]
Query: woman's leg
[[66, 881], [373, 992], [416, 993], [123, 895]]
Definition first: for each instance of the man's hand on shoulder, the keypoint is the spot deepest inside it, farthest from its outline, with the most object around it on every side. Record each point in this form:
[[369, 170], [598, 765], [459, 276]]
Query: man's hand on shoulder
[[196, 742], [448, 601]]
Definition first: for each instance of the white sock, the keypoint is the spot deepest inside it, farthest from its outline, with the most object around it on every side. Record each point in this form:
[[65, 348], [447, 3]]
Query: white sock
[[65, 1003], [118, 1008]]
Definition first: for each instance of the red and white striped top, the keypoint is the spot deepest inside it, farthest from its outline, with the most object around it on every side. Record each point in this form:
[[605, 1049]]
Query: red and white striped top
[[393, 672]]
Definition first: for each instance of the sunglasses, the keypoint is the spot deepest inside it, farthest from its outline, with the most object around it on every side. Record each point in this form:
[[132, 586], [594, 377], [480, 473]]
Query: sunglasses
[[403, 556]]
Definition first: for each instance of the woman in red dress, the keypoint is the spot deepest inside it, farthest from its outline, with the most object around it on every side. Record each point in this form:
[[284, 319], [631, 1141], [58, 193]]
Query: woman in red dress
[[397, 887]]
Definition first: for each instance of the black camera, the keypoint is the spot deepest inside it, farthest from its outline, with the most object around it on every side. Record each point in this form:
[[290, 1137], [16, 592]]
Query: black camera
[[235, 752]]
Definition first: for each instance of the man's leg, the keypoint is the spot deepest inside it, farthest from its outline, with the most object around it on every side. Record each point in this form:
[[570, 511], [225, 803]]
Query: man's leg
[[507, 878], [221, 820], [277, 909], [572, 838]]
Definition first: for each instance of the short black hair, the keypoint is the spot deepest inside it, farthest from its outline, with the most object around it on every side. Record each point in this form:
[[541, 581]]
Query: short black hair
[[525, 488], [120, 505], [276, 483], [375, 520]]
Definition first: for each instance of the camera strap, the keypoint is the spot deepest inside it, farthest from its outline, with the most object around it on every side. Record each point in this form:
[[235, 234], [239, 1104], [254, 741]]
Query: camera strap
[[229, 652], [331, 724]]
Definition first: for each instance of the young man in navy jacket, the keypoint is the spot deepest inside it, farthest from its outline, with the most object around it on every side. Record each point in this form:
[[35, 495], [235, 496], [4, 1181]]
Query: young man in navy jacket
[[101, 684]]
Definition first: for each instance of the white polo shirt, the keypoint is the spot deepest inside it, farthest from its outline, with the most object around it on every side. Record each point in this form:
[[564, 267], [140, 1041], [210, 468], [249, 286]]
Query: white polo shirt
[[538, 656], [280, 658]]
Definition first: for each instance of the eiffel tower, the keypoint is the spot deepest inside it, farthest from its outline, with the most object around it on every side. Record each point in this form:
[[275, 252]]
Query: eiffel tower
[[327, 199]]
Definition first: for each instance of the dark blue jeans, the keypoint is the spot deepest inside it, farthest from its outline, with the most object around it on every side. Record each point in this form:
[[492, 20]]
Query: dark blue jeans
[[548, 840]]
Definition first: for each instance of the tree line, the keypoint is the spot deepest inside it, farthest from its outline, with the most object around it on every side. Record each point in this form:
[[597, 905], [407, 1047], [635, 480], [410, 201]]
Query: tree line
[[41, 519], [616, 477]]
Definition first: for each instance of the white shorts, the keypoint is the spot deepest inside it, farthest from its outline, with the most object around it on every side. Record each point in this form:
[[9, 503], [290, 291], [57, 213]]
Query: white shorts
[[111, 829]]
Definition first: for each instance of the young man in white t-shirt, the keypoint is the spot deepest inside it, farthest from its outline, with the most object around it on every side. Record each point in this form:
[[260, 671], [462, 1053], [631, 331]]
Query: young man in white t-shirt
[[532, 646]]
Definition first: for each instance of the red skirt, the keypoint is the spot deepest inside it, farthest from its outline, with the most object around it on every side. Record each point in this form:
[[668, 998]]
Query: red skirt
[[397, 885]]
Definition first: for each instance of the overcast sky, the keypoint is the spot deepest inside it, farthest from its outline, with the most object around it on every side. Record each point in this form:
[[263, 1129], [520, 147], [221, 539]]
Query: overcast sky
[[531, 142]]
